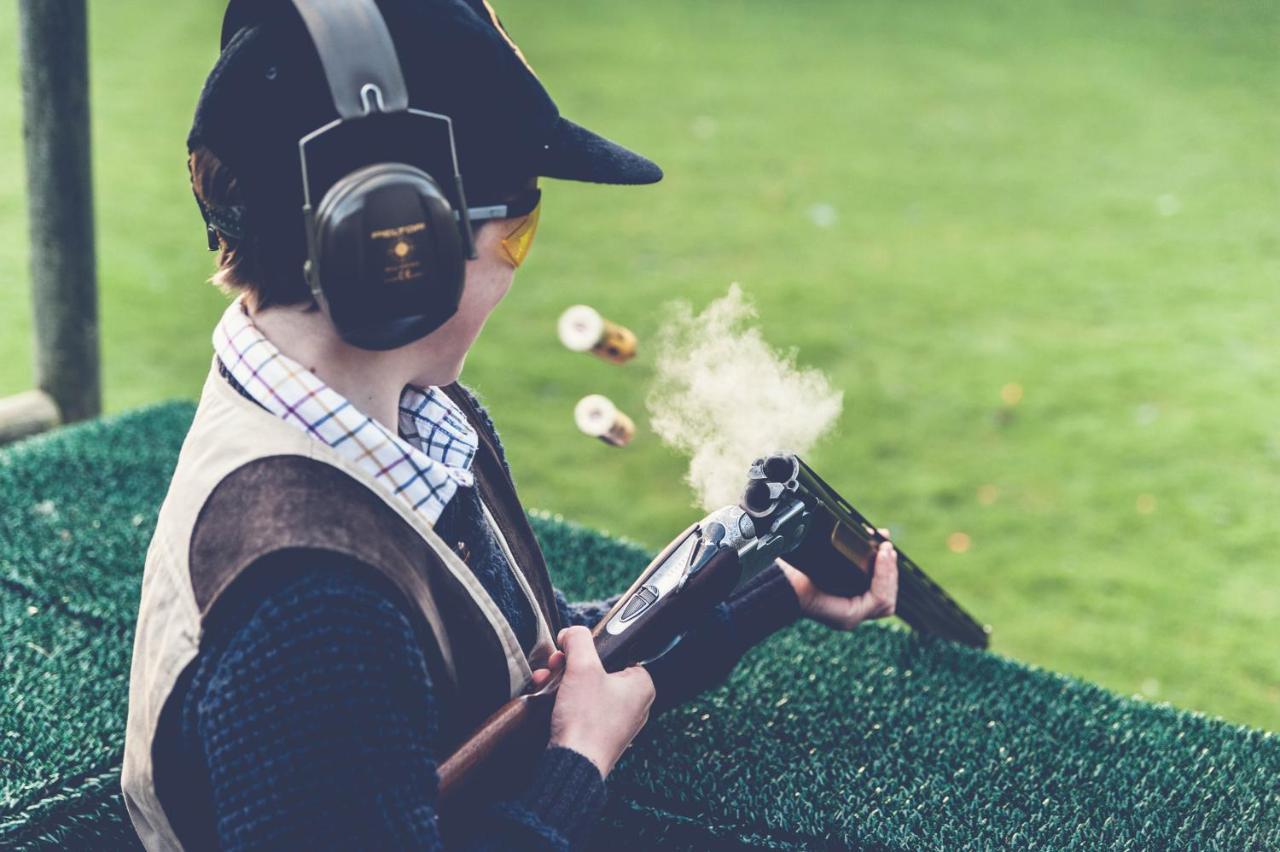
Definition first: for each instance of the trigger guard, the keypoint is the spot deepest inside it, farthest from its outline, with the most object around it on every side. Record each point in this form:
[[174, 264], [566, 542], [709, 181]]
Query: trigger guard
[[670, 645]]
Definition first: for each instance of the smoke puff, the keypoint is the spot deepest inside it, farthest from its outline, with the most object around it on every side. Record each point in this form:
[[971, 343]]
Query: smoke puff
[[724, 397]]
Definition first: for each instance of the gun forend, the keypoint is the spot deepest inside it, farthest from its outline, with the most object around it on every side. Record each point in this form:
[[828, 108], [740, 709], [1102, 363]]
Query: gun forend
[[838, 553]]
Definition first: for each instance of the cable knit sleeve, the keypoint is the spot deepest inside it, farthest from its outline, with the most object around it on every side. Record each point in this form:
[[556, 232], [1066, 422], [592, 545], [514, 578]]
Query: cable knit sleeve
[[709, 651], [318, 725], [585, 613]]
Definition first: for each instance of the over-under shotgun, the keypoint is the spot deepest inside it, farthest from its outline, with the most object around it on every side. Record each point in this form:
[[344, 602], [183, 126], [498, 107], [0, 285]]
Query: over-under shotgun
[[786, 509]]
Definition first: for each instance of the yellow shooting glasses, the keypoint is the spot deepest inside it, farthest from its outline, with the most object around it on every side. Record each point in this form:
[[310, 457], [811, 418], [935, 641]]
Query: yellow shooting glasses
[[526, 207], [517, 243]]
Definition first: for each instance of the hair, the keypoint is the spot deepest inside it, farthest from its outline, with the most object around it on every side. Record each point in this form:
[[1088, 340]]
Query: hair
[[242, 266]]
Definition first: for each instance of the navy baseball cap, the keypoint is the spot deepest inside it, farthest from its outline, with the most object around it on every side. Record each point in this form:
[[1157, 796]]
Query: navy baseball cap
[[268, 89]]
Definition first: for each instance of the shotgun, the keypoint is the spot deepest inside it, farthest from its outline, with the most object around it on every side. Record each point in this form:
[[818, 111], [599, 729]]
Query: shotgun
[[786, 509]]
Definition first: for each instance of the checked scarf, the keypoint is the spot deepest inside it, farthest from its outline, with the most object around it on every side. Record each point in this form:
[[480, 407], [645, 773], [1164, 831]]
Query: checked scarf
[[423, 465]]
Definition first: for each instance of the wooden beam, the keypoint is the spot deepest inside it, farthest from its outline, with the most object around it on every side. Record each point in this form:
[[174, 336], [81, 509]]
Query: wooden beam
[[55, 103], [26, 414]]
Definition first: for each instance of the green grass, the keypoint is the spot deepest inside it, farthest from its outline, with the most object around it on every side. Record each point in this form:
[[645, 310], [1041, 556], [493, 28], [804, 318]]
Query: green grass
[[1077, 197]]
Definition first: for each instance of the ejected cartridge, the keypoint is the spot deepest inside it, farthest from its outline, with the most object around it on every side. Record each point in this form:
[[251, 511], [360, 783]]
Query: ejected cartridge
[[582, 329], [598, 417]]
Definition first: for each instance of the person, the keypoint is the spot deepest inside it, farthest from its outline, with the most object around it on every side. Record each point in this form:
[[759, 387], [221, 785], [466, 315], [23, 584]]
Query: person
[[343, 583]]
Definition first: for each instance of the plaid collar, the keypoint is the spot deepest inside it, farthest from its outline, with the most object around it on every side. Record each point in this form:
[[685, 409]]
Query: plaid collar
[[423, 465]]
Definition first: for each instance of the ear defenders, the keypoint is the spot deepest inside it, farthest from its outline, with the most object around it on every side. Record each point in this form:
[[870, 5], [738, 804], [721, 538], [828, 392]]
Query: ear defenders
[[386, 244]]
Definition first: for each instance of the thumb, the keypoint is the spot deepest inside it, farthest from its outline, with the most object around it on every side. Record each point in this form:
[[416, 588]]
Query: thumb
[[580, 650]]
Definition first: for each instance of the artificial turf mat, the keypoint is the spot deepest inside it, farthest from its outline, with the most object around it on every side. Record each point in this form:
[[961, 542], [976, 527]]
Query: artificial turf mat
[[875, 739]]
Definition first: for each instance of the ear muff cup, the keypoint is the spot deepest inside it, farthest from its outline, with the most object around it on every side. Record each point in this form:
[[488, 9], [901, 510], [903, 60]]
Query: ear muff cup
[[387, 262]]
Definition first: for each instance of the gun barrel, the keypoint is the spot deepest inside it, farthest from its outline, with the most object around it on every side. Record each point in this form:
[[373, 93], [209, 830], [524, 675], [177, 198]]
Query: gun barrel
[[838, 554]]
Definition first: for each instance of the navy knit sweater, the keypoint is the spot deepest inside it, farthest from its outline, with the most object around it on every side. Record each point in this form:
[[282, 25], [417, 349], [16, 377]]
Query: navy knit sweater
[[311, 713]]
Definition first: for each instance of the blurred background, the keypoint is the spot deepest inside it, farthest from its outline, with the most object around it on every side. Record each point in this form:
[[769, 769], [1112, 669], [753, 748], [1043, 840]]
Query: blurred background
[[1035, 244]]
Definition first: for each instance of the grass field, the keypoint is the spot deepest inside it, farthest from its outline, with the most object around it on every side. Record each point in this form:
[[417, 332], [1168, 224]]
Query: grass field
[[932, 202]]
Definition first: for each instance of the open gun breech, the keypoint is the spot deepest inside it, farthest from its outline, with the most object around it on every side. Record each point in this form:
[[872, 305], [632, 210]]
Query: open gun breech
[[698, 569]]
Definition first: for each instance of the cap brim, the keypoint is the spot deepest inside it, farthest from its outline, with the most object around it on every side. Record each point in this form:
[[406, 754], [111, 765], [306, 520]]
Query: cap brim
[[575, 153]]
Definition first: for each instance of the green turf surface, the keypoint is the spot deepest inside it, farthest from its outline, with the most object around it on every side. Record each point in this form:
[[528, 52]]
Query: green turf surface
[[1078, 197], [875, 739]]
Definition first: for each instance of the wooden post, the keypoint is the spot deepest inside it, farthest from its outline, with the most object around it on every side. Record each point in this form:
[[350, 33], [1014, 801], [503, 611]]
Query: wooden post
[[55, 103]]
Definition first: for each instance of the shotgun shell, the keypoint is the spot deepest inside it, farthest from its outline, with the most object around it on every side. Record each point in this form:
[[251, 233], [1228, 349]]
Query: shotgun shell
[[598, 417], [582, 329]]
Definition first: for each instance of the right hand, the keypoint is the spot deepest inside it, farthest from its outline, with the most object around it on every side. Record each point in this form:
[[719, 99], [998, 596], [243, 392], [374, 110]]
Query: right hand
[[597, 714]]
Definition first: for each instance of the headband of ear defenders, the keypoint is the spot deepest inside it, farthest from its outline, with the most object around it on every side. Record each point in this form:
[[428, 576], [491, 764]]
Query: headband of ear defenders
[[359, 60], [354, 45]]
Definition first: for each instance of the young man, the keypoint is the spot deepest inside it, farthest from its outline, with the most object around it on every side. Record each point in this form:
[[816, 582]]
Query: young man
[[342, 582]]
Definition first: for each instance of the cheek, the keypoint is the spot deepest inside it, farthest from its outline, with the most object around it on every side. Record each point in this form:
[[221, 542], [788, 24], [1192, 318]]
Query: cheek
[[482, 294], [488, 280], [487, 288]]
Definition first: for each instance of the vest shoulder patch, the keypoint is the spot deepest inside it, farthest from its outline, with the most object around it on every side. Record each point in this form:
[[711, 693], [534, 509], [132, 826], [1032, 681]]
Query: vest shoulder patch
[[285, 502]]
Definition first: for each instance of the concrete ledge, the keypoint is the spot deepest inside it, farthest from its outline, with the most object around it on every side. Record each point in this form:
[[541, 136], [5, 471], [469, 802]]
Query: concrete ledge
[[25, 414]]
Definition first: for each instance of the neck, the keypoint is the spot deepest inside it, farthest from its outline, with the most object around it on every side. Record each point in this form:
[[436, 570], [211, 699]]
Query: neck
[[371, 381]]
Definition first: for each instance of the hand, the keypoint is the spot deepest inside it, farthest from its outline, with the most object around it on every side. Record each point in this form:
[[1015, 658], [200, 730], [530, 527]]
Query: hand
[[596, 714], [847, 613]]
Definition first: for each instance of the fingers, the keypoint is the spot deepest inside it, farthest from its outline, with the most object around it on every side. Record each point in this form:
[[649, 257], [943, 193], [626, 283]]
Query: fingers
[[580, 650], [881, 599], [884, 582], [540, 677]]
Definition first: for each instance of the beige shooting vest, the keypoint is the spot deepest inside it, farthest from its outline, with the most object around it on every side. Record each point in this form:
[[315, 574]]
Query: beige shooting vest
[[248, 484]]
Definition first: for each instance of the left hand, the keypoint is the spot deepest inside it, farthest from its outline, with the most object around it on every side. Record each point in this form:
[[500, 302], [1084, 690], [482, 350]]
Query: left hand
[[847, 613]]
